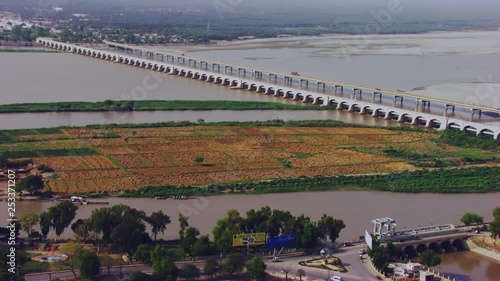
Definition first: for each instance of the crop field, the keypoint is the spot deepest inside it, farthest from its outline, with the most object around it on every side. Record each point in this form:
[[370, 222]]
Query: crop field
[[110, 160]]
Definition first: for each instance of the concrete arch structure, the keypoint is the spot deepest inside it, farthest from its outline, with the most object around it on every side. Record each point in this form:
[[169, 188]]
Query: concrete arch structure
[[242, 78]]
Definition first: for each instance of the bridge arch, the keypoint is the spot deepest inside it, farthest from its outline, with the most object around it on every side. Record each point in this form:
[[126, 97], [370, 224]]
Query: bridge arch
[[447, 246], [342, 105], [391, 115], [288, 94], [319, 101], [419, 120], [469, 129], [421, 248], [458, 244], [298, 96], [433, 123], [410, 251], [436, 247], [485, 132]]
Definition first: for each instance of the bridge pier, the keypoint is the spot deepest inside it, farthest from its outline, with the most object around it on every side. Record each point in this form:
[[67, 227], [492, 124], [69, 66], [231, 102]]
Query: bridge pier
[[338, 87], [400, 98], [271, 76], [181, 58], [446, 106], [192, 60], [242, 69], [306, 81], [288, 79], [473, 111], [318, 84], [375, 94], [356, 92], [257, 74], [203, 63], [215, 65], [228, 67]]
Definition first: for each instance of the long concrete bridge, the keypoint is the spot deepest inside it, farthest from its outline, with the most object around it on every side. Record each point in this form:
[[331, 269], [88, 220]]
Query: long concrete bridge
[[293, 87]]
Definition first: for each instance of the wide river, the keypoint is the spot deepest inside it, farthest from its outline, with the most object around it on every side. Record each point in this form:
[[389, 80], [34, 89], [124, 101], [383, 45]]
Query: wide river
[[37, 77]]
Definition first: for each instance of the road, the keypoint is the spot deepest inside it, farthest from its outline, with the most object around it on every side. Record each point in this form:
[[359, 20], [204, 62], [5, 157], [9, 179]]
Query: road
[[357, 270]]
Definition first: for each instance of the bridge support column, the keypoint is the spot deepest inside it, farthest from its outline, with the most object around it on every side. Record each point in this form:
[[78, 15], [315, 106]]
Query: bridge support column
[[446, 106], [318, 84], [338, 87], [242, 69], [214, 65], [203, 63], [228, 67], [192, 60], [379, 94], [356, 92], [271, 76], [425, 103], [473, 111], [257, 74], [396, 98], [306, 81], [288, 80]]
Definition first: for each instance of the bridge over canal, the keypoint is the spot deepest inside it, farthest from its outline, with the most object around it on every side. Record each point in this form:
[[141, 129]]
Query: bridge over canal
[[299, 88]]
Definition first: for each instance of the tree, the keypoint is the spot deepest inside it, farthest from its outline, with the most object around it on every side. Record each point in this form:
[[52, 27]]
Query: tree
[[471, 218], [82, 230], [90, 265], [494, 227], [301, 273], [224, 229], [163, 264], [140, 276], [58, 217], [73, 251], [107, 261], [496, 212], [189, 238], [190, 272], [330, 227], [28, 221], [158, 221], [31, 184], [256, 268], [44, 224], [184, 223], [201, 247], [234, 264], [107, 103], [211, 268], [143, 252], [199, 159], [429, 258]]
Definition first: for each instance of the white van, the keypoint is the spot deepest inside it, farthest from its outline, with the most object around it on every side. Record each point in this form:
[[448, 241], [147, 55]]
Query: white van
[[336, 278]]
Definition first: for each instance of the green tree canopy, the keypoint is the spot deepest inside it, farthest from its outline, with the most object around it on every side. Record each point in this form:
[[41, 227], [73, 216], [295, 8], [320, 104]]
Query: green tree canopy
[[58, 217], [31, 184], [140, 276], [330, 227], [190, 272], [471, 218], [158, 221], [28, 222], [90, 265], [429, 258], [256, 268], [234, 264], [211, 268]]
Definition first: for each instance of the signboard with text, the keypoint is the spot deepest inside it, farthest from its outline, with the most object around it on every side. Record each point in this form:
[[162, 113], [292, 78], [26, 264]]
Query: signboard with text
[[281, 241], [249, 239]]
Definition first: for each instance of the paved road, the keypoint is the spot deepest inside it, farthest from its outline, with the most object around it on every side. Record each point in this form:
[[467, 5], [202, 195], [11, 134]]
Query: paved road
[[357, 270]]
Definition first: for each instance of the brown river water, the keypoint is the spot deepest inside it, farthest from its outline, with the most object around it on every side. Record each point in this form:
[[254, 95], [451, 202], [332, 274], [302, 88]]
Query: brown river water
[[30, 77]]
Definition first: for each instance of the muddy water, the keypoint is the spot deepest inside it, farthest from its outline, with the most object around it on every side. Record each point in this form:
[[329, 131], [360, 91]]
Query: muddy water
[[468, 266], [55, 119]]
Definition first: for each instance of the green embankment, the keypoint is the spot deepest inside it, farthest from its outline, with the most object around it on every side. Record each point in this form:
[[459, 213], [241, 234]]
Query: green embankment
[[151, 105], [17, 50]]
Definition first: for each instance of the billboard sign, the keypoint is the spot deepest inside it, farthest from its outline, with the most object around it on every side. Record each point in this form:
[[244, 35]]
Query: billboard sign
[[368, 239], [282, 241], [249, 239]]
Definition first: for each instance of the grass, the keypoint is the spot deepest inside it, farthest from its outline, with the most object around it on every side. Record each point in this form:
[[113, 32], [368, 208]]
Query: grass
[[150, 105], [18, 50], [49, 152]]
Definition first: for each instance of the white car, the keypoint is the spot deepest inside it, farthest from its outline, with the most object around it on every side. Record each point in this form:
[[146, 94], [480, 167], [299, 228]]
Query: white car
[[276, 259], [336, 278], [362, 252]]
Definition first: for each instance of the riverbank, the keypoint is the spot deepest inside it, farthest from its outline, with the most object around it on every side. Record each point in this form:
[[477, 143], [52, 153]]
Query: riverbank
[[151, 105], [25, 50]]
